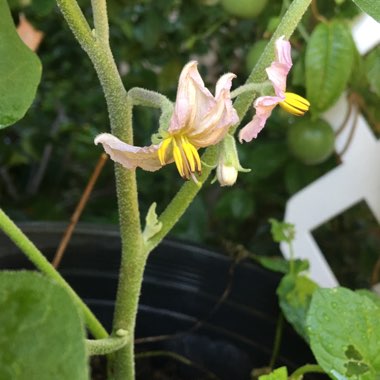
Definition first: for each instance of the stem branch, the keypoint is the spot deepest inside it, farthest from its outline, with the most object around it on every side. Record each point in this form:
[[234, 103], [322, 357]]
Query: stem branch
[[40, 261]]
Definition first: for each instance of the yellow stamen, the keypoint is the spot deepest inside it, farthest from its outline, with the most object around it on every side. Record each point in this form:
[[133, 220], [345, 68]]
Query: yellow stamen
[[184, 153], [196, 157], [178, 159], [295, 104], [188, 153], [163, 149]]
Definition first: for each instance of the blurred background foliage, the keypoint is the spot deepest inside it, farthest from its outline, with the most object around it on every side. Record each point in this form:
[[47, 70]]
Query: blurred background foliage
[[47, 157]]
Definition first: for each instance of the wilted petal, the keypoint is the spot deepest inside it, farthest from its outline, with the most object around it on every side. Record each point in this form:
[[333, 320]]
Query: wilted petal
[[193, 99], [130, 156], [212, 126], [264, 106]]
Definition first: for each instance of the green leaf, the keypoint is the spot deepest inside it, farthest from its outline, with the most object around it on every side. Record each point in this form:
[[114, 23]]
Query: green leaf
[[344, 332], [278, 264], [41, 333], [371, 7], [282, 231], [372, 69], [278, 374], [295, 294], [20, 71], [328, 64], [374, 297]]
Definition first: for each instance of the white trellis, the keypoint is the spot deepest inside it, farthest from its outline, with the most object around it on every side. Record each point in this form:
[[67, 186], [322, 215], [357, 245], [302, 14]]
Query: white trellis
[[357, 178]]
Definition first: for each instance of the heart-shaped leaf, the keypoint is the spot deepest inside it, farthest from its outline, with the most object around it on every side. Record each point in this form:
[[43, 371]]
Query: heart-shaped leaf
[[41, 333], [344, 331], [20, 71], [295, 294], [328, 64]]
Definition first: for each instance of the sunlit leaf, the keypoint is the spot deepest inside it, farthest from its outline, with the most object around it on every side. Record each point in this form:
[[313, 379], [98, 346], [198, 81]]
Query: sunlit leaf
[[371, 7], [328, 64], [344, 332], [20, 71], [295, 294]]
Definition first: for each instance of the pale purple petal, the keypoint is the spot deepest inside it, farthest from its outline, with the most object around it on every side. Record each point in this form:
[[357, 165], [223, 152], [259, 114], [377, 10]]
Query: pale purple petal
[[193, 99], [130, 156], [264, 106], [279, 69], [283, 52], [213, 125]]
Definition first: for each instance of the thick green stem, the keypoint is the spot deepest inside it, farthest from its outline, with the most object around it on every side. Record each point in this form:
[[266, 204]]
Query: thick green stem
[[182, 200], [99, 10], [133, 260], [77, 22], [40, 261]]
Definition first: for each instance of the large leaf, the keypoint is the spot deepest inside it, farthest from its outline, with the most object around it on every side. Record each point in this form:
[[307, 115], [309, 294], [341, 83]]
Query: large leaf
[[329, 60], [41, 333], [295, 294], [20, 71], [372, 7], [344, 332]]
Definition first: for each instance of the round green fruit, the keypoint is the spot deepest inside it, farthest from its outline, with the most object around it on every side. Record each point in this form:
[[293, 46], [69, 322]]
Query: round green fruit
[[312, 142], [244, 8]]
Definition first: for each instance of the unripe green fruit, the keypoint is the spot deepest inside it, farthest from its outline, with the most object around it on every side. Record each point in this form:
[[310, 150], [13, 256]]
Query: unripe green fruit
[[312, 142], [254, 53], [244, 8]]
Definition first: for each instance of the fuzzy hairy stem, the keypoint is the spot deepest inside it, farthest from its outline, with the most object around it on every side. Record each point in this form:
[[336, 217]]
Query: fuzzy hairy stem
[[120, 113]]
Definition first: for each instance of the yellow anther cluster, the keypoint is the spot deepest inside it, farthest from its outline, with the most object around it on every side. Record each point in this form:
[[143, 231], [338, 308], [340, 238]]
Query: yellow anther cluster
[[295, 104], [184, 153]]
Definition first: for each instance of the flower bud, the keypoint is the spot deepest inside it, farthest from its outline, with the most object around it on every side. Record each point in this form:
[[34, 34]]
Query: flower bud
[[226, 175], [228, 162]]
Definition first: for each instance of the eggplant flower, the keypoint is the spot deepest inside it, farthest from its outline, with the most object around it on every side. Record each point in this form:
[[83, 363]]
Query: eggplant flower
[[199, 120], [292, 103]]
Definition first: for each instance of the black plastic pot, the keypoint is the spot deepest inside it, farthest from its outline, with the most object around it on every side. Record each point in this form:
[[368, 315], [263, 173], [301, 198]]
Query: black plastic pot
[[182, 284]]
